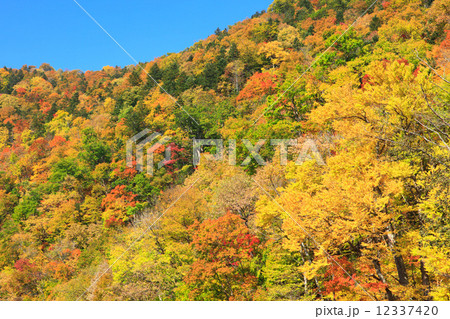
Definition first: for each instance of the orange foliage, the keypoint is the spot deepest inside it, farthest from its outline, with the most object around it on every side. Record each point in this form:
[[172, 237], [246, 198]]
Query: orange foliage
[[259, 85], [225, 250]]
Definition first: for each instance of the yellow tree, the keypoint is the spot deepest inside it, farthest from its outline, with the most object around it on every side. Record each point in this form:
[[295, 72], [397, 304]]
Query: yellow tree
[[343, 209], [402, 114]]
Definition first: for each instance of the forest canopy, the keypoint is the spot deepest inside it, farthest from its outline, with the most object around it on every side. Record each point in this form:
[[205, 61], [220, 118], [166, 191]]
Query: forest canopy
[[76, 223]]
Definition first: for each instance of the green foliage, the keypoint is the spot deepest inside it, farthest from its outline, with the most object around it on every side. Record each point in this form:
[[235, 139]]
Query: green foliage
[[347, 47], [286, 8], [233, 53], [266, 31], [94, 151], [68, 167], [374, 100], [169, 77], [27, 207]]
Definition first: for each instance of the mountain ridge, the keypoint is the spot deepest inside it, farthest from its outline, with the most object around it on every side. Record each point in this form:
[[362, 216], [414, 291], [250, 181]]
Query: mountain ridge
[[371, 91]]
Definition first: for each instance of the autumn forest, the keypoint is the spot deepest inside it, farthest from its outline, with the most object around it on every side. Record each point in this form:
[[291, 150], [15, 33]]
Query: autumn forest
[[366, 81]]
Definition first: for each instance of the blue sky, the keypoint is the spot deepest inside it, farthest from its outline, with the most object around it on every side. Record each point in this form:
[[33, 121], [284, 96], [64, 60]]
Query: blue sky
[[60, 33]]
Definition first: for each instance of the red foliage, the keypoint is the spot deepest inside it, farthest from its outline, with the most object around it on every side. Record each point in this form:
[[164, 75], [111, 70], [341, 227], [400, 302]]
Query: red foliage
[[175, 157], [23, 264], [225, 251], [8, 120], [57, 141], [119, 194], [365, 80], [338, 278], [113, 222], [259, 85], [116, 204], [39, 147], [64, 267], [21, 92], [45, 107], [374, 286], [124, 172], [75, 253], [445, 45], [20, 126], [413, 260]]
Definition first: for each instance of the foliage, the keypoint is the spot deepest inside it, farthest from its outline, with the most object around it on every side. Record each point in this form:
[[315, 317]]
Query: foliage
[[372, 223]]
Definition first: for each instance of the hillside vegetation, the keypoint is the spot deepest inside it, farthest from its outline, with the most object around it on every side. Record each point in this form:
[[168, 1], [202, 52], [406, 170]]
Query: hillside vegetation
[[373, 223]]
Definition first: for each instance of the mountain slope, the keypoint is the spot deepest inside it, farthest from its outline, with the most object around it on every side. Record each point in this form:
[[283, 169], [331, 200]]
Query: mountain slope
[[367, 81]]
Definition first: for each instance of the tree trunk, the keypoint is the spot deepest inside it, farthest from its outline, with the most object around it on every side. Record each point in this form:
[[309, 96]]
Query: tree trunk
[[399, 263], [401, 270], [376, 264], [425, 277]]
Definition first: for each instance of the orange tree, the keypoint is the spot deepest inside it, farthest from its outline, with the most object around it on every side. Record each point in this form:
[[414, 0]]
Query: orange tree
[[227, 261]]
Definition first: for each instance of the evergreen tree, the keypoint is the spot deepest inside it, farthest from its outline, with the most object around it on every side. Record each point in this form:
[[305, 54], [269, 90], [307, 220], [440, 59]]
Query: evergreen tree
[[233, 53]]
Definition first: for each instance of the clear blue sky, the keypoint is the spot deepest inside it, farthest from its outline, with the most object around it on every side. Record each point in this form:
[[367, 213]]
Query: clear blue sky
[[60, 33]]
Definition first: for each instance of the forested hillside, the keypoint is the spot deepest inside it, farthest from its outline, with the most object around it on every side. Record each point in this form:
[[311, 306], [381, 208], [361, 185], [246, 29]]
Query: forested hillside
[[371, 224]]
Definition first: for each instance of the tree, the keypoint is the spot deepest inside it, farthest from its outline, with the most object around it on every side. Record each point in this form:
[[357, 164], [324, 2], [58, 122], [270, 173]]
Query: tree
[[235, 72], [169, 76], [235, 195], [210, 76], [226, 258], [155, 73], [135, 77], [233, 53], [287, 36], [328, 199], [258, 86], [265, 32], [118, 206], [94, 151], [296, 98], [274, 52], [411, 130]]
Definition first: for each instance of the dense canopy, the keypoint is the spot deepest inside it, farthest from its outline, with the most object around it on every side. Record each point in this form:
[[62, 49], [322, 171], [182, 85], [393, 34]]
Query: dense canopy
[[370, 224]]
